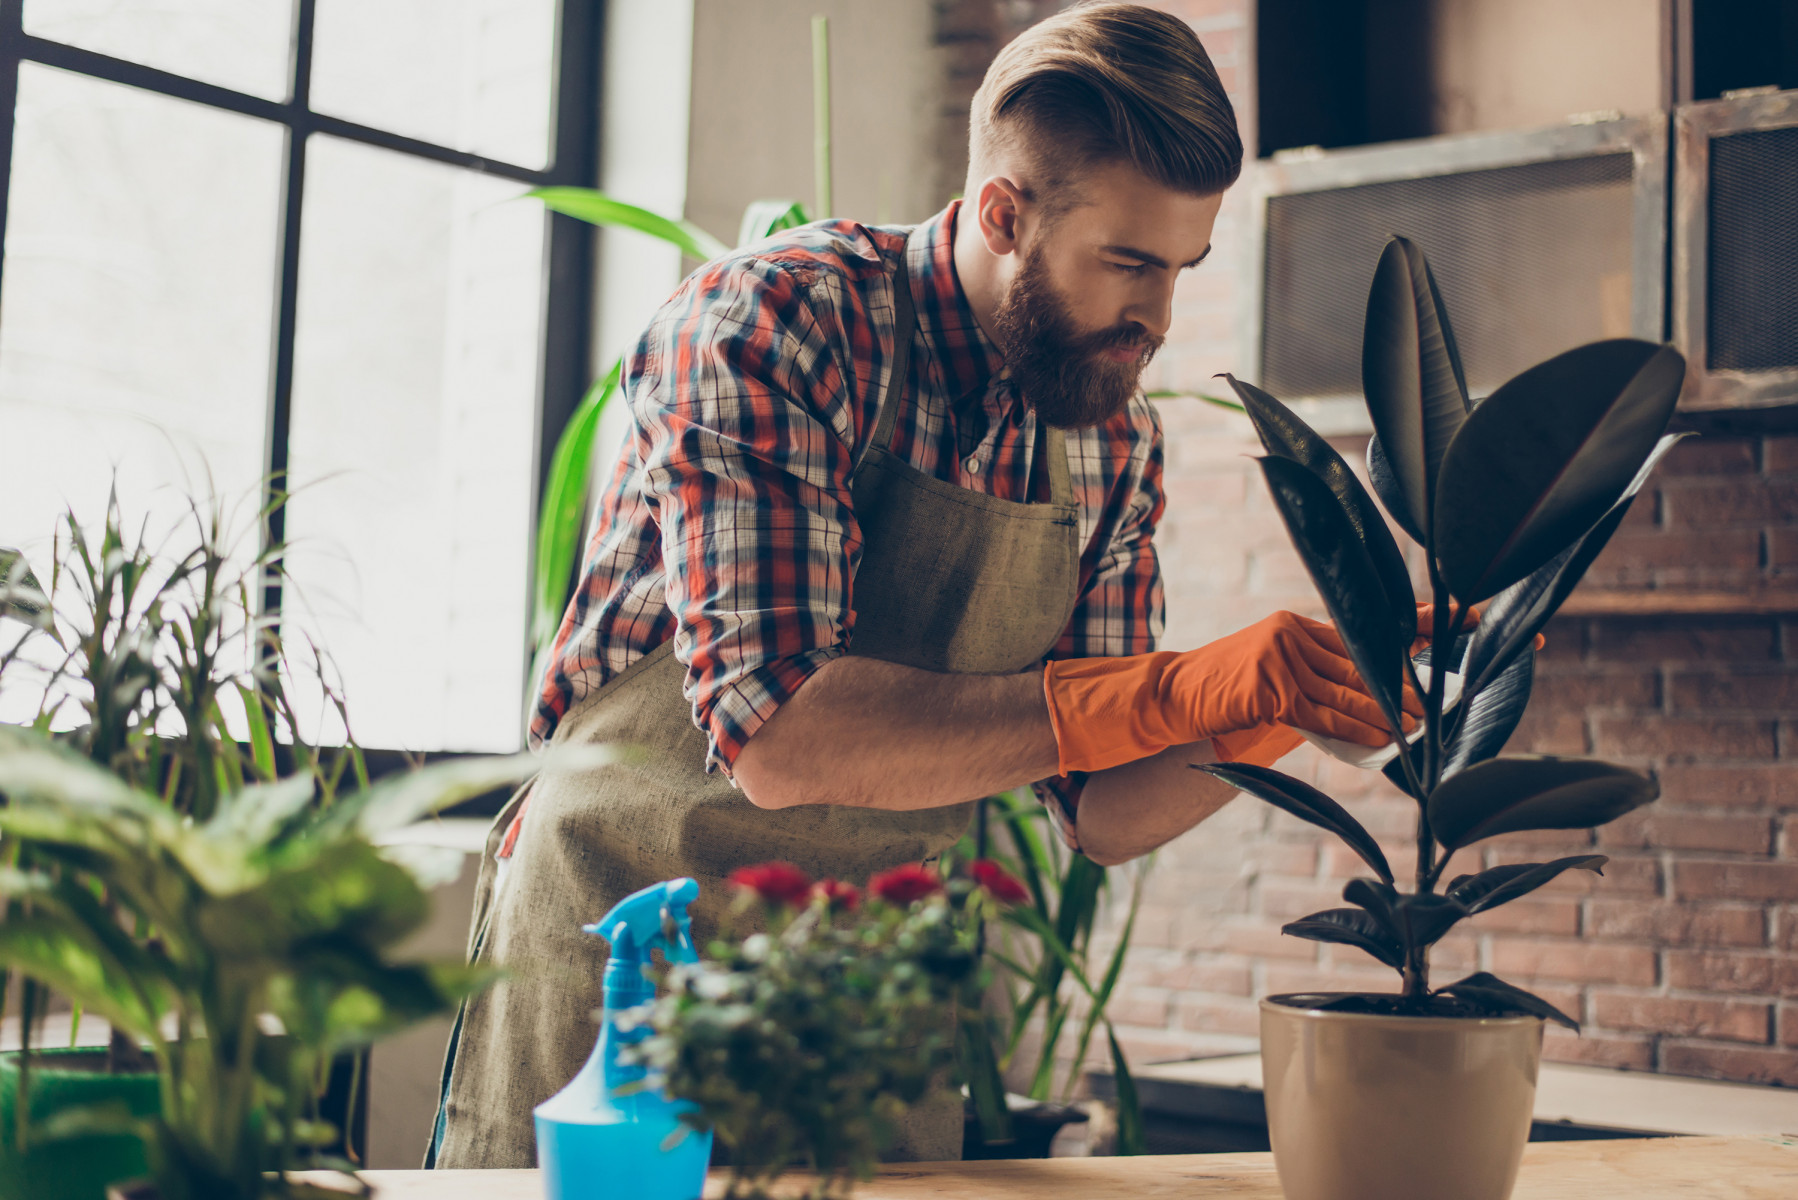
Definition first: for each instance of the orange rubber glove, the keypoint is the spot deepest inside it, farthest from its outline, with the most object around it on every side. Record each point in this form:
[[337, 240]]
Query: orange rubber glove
[[1263, 745], [1266, 745], [1283, 670]]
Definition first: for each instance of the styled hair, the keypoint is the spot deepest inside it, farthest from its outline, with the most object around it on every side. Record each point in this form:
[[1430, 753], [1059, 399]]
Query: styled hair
[[1102, 83]]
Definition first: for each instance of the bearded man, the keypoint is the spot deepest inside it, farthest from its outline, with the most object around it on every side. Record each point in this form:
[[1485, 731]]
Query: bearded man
[[880, 543]]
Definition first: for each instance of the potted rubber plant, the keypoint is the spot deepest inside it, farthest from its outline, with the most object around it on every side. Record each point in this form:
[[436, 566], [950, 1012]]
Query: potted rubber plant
[[1427, 1092]]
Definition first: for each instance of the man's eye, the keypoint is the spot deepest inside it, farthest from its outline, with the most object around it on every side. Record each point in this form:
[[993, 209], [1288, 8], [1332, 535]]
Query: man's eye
[[1131, 268]]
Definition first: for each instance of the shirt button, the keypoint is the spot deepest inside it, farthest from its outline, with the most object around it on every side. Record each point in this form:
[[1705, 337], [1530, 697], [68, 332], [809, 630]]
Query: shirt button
[[973, 464]]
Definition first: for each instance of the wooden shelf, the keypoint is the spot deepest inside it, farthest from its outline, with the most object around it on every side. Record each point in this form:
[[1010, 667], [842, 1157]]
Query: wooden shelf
[[1680, 602]]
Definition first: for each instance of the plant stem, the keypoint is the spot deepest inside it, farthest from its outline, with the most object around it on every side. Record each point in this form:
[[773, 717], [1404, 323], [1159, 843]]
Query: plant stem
[[1417, 974], [1443, 623], [821, 114]]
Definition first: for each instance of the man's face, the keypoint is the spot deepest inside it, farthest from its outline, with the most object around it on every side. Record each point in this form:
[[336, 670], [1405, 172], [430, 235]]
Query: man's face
[[1092, 297]]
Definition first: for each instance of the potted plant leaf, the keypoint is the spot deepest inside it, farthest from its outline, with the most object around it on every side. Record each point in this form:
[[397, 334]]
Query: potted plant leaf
[[125, 658], [222, 905], [1427, 1092], [245, 951]]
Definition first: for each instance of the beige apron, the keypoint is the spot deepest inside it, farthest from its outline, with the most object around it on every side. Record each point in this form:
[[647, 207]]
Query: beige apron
[[950, 580]]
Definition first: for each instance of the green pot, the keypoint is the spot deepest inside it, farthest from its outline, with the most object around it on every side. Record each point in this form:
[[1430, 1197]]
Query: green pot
[[73, 1168]]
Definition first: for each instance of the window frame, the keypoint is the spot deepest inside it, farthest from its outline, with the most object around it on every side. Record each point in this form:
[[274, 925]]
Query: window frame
[[566, 297]]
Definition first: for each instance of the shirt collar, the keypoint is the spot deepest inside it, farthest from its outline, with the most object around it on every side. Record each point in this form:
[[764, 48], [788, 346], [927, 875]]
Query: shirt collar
[[965, 356]]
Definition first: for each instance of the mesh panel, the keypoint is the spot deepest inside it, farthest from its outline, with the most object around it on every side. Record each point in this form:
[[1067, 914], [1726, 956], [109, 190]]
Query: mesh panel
[[1531, 260], [1752, 292]]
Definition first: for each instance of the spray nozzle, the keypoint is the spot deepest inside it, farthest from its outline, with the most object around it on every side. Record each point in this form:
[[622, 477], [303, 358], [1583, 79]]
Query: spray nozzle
[[655, 916]]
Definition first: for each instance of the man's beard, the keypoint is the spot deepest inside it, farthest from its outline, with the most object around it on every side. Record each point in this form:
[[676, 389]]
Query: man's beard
[[1060, 372]]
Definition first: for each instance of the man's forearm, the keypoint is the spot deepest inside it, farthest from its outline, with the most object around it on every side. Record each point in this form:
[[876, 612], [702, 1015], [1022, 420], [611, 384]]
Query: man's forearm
[[1130, 810], [875, 734]]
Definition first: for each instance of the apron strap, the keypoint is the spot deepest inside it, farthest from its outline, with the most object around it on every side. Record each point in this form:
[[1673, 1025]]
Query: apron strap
[[1055, 448], [905, 324]]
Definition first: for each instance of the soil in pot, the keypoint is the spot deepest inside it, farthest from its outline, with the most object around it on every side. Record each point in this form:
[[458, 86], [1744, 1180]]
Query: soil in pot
[[1367, 1104], [79, 1167]]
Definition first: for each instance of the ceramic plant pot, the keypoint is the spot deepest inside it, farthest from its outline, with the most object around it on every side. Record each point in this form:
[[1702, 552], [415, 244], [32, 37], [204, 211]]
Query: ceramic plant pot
[[79, 1167], [1367, 1107]]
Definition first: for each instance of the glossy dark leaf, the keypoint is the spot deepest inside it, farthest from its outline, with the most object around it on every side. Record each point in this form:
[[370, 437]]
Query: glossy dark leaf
[[1416, 390], [1501, 885], [1536, 465], [1504, 795], [1488, 990], [1415, 919], [1286, 435], [1487, 721], [1427, 917], [1394, 771], [1350, 927], [1379, 899], [1387, 487], [1306, 803], [1516, 615], [1346, 578]]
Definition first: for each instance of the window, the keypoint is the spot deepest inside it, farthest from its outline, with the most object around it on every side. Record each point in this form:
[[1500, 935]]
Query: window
[[255, 239]]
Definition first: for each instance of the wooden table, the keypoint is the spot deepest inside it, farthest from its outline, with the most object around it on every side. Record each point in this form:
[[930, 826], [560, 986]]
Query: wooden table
[[1648, 1169]]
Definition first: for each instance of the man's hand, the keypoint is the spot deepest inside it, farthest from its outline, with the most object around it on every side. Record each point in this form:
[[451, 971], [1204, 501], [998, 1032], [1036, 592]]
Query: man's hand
[[1283, 670]]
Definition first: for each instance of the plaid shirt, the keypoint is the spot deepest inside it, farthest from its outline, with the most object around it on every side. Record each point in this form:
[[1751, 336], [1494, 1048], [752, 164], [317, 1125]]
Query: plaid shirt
[[728, 524]]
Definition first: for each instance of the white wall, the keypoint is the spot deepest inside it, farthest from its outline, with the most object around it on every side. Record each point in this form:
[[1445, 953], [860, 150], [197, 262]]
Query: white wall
[[1519, 64], [644, 112], [752, 108]]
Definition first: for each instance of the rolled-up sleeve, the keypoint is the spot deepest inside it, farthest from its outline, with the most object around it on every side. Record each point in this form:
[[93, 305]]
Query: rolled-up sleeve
[[1122, 609], [746, 452]]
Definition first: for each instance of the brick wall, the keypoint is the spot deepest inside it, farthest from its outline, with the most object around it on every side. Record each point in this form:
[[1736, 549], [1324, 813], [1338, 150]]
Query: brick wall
[[1684, 957]]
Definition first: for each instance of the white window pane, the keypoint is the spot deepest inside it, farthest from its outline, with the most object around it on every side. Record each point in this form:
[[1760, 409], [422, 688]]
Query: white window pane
[[474, 75], [137, 312], [245, 45], [415, 378]]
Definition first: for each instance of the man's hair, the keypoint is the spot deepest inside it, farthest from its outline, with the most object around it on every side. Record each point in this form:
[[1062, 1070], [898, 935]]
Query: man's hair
[[1104, 83]]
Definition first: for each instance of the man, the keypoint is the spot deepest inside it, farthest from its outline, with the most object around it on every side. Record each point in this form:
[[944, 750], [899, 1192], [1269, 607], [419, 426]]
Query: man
[[881, 543]]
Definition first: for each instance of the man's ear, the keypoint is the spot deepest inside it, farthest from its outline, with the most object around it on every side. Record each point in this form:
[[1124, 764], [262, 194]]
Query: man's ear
[[998, 205]]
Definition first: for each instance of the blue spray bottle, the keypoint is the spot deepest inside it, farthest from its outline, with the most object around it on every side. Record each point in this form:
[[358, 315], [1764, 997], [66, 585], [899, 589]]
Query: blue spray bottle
[[592, 1143]]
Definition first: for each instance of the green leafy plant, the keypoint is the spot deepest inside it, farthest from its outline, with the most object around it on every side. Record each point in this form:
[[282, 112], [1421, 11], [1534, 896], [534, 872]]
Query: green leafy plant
[[154, 647], [1511, 500], [1050, 978], [245, 951], [806, 1040], [222, 903]]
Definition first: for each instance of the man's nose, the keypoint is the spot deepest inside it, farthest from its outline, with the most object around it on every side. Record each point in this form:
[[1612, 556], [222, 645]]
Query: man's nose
[[1154, 311]]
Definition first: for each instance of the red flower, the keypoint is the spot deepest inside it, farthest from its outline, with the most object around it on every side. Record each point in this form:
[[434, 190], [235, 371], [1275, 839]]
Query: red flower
[[839, 896], [775, 882], [905, 884], [998, 882]]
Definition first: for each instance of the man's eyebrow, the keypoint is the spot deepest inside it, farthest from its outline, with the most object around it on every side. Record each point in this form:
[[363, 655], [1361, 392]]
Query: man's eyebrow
[[1154, 260]]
